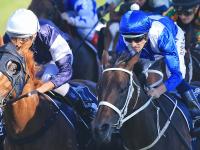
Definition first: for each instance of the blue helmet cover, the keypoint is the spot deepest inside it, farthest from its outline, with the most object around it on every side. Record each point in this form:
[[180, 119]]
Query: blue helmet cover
[[135, 22]]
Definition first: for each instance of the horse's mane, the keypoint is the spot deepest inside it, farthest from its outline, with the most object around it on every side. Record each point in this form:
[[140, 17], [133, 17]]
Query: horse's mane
[[31, 67], [123, 58], [1, 40]]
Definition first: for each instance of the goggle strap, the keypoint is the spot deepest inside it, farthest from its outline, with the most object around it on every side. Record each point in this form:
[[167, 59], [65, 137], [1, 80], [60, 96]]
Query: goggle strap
[[132, 36]]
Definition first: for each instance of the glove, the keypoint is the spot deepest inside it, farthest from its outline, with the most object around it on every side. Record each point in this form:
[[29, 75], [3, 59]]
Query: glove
[[156, 92], [69, 19]]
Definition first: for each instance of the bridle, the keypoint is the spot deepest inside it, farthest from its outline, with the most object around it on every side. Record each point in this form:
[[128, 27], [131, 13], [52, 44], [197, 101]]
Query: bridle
[[13, 67], [123, 112]]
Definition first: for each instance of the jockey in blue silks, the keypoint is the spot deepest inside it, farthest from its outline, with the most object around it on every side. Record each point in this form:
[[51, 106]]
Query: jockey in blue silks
[[83, 15], [155, 37], [53, 54]]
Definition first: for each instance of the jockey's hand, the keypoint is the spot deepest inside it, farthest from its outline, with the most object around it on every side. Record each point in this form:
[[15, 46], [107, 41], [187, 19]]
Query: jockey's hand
[[69, 19], [156, 92]]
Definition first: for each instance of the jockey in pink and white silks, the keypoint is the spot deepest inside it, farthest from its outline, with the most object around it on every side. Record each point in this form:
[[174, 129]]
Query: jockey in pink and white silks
[[52, 52], [155, 37], [83, 15]]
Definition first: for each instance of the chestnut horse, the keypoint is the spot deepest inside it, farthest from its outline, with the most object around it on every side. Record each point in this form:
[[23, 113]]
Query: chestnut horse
[[143, 122], [32, 120]]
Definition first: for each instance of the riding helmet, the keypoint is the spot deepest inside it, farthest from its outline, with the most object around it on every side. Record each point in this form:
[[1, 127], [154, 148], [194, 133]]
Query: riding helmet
[[135, 23], [22, 23], [185, 3]]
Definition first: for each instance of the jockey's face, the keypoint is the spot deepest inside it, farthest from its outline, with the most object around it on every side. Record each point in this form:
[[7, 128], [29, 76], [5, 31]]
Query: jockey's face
[[138, 46], [23, 43], [137, 43], [186, 16]]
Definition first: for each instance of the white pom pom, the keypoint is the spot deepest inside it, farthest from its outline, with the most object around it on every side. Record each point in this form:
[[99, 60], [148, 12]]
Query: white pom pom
[[135, 7]]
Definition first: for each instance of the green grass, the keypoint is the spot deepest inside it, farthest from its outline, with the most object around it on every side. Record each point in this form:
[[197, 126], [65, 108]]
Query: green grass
[[7, 7]]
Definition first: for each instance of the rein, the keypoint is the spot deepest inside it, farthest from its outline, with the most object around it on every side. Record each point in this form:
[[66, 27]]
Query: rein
[[3, 102], [22, 96], [122, 113], [47, 123]]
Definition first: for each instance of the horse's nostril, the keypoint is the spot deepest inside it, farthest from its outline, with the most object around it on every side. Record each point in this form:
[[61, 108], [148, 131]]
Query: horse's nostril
[[101, 131]]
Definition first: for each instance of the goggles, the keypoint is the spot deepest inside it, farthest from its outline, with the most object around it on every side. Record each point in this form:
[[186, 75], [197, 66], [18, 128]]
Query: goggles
[[134, 38], [185, 12], [21, 39]]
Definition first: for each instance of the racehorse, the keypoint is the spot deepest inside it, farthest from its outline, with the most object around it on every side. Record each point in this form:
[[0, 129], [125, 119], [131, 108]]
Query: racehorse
[[143, 122], [32, 120], [86, 60]]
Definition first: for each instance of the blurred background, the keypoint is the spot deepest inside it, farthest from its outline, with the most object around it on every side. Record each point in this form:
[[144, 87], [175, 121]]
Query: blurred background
[[7, 7]]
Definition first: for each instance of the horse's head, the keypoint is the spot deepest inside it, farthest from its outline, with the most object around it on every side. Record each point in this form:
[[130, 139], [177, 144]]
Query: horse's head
[[114, 89], [12, 72]]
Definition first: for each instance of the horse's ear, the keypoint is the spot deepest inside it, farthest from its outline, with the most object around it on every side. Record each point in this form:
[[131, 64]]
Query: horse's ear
[[105, 59], [132, 62]]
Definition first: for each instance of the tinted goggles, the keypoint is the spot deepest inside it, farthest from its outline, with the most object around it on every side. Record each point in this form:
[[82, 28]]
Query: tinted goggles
[[21, 39], [135, 39], [187, 12]]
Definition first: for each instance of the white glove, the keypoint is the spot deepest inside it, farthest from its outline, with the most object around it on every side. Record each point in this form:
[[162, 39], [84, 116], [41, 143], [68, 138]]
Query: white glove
[[69, 19], [157, 91]]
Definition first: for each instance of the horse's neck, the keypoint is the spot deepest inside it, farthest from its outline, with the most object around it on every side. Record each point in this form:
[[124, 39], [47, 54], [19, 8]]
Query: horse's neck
[[144, 121], [18, 114]]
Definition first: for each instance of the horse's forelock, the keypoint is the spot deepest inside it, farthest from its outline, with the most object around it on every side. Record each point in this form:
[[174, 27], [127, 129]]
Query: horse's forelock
[[122, 59]]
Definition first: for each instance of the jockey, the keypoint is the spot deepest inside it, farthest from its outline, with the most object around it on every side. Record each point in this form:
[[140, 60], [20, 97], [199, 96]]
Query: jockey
[[187, 15], [83, 15], [154, 37], [50, 49]]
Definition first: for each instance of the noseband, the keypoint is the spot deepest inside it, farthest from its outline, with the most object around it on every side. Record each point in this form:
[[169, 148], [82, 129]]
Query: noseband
[[13, 67], [122, 112]]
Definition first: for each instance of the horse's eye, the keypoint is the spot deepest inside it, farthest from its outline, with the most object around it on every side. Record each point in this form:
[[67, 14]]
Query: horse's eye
[[13, 67]]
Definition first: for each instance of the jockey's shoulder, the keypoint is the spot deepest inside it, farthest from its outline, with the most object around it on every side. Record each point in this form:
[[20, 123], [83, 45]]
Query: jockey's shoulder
[[171, 13]]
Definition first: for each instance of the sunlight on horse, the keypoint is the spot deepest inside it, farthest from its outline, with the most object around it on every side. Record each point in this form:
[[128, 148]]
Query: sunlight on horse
[[32, 122]]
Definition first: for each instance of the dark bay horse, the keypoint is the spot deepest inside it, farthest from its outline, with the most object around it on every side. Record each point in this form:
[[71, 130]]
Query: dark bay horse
[[86, 59], [32, 121], [143, 122]]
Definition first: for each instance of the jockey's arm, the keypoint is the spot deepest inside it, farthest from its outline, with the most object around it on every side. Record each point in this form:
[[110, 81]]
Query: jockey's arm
[[86, 15], [65, 72], [82, 21], [168, 48], [62, 56]]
